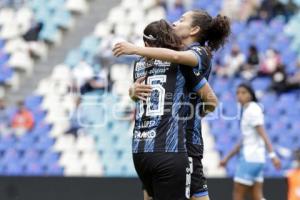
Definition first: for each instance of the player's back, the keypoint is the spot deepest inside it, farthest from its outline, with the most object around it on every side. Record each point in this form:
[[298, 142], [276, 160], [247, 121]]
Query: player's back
[[158, 127]]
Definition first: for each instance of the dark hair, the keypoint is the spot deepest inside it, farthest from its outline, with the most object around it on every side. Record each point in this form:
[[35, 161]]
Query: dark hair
[[160, 34], [250, 90], [253, 49], [20, 103], [214, 31]]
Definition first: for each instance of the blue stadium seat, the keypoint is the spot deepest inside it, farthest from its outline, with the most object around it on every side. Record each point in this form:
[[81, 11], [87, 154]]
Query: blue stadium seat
[[32, 102], [49, 157], [49, 32], [30, 155], [25, 142], [54, 169], [6, 142], [62, 18], [90, 45], [6, 73], [14, 169], [261, 83], [201, 4], [44, 143], [3, 57], [39, 115], [34, 169], [41, 129], [73, 58], [11, 155], [42, 14], [55, 4]]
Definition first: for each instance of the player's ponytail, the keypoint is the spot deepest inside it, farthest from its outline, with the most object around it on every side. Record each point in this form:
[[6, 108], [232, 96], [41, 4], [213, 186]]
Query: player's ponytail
[[213, 31], [218, 32]]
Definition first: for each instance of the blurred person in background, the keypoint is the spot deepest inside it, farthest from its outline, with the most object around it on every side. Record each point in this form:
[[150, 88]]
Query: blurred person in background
[[247, 9], [250, 68], [293, 177], [81, 74], [270, 63], [294, 81], [269, 9], [98, 83], [4, 119], [233, 62], [231, 8], [78, 119], [23, 120], [248, 178], [279, 80], [161, 3]]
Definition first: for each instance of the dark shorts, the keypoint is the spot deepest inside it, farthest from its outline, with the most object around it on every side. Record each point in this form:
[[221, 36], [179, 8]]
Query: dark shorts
[[165, 176], [199, 183]]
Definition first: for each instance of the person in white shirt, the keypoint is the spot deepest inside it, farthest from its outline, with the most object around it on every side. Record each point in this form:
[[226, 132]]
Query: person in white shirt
[[249, 172], [233, 62]]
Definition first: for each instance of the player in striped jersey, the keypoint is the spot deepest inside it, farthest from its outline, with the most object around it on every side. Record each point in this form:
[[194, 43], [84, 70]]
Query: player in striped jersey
[[159, 136], [201, 34]]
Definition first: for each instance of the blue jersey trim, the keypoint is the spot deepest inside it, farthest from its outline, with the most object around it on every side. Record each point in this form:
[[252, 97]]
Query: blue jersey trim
[[201, 194], [200, 85], [192, 45], [198, 59]]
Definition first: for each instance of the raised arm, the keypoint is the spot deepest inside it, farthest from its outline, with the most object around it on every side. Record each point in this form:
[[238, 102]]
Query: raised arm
[[180, 57]]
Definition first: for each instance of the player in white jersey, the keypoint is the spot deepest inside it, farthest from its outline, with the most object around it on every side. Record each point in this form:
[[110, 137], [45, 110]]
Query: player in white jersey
[[249, 172]]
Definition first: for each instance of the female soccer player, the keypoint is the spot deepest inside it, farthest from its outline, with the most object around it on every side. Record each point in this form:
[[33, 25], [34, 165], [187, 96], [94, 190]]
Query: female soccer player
[[201, 35], [249, 174], [159, 151]]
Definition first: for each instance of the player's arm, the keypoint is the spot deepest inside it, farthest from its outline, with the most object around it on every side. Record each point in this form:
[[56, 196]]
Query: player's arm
[[208, 97], [261, 131], [232, 153], [187, 58]]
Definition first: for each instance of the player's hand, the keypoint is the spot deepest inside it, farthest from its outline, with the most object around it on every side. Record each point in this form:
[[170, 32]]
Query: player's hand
[[223, 163], [124, 48], [276, 162], [139, 90]]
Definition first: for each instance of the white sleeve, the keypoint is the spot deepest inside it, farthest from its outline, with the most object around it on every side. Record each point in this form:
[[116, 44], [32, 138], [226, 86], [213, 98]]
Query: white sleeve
[[256, 116]]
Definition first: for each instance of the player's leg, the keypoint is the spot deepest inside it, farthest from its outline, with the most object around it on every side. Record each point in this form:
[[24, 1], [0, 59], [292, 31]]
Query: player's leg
[[146, 196], [199, 189], [142, 164], [243, 180], [240, 191], [172, 177], [257, 191], [200, 198]]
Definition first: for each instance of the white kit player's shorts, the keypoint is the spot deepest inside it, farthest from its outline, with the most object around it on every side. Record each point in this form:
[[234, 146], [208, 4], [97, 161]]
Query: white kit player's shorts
[[248, 173]]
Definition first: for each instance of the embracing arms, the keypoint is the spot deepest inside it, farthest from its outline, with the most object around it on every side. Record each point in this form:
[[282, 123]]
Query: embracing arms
[[180, 57]]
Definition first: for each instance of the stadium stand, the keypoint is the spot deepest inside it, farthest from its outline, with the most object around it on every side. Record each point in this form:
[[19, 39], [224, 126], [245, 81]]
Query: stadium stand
[[28, 29], [101, 146]]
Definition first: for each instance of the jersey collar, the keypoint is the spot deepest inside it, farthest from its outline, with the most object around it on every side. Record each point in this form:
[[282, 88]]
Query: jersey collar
[[193, 45]]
